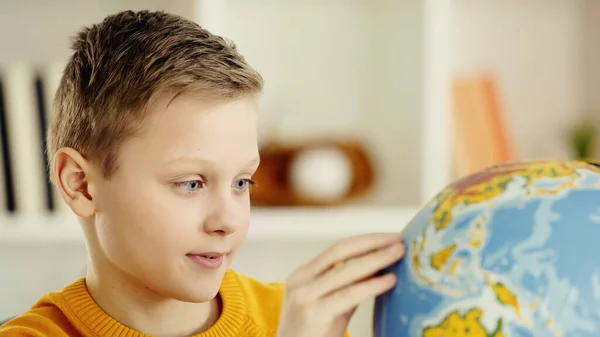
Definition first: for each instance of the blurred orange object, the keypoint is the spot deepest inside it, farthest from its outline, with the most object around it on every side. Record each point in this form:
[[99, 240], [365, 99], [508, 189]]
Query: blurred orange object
[[481, 136]]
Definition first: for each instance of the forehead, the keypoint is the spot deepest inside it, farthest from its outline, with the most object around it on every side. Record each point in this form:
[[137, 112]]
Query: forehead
[[187, 126]]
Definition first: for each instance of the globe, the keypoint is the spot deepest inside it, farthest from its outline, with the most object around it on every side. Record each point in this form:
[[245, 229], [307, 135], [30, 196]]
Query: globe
[[511, 250]]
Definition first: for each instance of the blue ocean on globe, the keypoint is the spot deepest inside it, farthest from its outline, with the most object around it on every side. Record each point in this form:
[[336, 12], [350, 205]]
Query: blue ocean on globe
[[509, 251]]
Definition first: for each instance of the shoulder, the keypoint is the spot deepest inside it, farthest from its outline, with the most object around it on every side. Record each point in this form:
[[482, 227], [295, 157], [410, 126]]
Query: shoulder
[[260, 296], [44, 319], [39, 321], [262, 299], [254, 289]]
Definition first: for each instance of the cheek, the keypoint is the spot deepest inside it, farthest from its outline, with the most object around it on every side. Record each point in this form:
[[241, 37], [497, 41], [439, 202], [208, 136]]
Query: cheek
[[243, 221], [142, 222]]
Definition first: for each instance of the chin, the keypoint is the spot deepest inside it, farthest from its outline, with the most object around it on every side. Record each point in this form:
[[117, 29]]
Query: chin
[[197, 289]]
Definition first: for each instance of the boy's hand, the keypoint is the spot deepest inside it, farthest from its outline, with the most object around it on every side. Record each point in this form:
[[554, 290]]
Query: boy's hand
[[321, 296]]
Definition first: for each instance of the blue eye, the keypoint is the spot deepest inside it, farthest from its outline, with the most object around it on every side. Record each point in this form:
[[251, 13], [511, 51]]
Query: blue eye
[[244, 184], [191, 186]]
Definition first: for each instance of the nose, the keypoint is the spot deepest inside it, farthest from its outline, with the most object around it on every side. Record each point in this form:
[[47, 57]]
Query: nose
[[220, 219]]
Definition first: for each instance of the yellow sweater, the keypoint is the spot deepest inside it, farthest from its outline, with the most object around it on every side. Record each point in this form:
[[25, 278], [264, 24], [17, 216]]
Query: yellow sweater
[[250, 309]]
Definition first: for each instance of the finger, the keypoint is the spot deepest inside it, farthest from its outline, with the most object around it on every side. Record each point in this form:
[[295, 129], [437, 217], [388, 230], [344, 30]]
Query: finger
[[348, 314], [356, 270], [349, 297], [340, 251]]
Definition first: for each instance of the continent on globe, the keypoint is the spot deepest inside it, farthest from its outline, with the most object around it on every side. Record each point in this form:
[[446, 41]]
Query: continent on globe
[[456, 325], [488, 183], [502, 252]]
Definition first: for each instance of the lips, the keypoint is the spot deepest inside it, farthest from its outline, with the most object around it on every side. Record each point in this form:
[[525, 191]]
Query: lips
[[210, 255], [210, 260]]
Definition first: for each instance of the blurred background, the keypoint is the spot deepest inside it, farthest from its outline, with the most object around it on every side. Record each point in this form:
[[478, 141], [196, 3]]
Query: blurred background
[[369, 109]]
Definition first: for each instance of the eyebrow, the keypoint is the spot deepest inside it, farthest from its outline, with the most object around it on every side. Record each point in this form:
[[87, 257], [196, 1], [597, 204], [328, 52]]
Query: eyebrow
[[194, 160]]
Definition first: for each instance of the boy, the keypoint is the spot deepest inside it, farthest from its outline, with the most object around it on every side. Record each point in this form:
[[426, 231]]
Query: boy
[[153, 147]]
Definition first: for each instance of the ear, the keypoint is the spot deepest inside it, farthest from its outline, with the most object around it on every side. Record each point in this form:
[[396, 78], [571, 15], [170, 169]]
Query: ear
[[72, 175]]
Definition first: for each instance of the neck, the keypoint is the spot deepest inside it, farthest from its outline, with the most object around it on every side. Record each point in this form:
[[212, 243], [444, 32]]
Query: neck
[[142, 309]]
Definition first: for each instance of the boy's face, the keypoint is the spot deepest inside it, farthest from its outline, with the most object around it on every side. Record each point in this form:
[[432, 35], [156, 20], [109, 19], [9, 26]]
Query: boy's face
[[179, 194]]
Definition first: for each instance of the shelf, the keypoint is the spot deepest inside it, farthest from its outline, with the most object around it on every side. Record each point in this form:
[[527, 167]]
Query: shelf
[[328, 222], [285, 223]]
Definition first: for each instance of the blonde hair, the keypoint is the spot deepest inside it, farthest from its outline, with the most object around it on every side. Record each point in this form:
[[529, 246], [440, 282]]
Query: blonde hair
[[121, 64]]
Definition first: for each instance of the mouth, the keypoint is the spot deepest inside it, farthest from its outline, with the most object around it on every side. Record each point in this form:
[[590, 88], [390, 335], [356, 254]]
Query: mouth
[[210, 255], [210, 260]]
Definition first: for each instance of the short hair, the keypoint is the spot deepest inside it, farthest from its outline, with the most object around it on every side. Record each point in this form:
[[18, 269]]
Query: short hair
[[120, 65]]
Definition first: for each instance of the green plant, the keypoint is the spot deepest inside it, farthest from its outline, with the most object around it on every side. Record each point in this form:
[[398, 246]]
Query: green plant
[[582, 137]]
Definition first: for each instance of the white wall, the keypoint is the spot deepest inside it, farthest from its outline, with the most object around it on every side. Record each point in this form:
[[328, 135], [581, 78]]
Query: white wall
[[39, 31], [590, 65], [436, 148], [337, 67], [535, 48], [393, 119]]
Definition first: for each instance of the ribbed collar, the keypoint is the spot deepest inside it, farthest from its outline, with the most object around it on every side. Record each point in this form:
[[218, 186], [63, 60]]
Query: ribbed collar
[[81, 309]]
